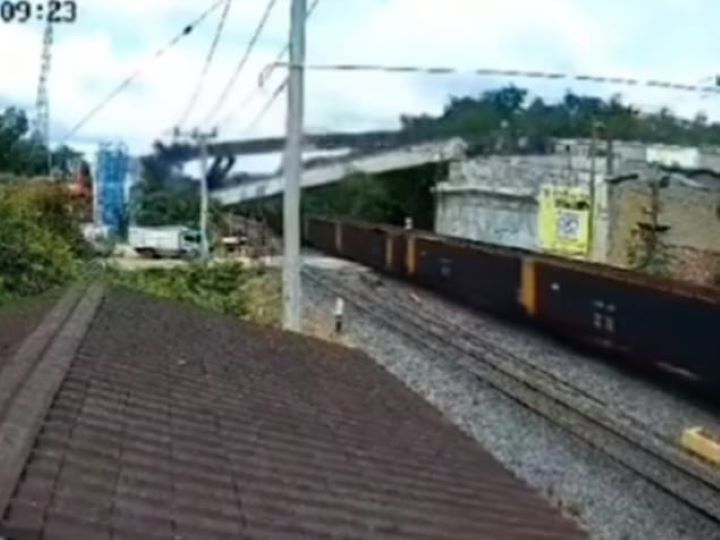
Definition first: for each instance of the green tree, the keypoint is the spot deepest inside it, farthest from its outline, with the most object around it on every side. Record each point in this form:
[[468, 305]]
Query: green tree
[[480, 118], [22, 154], [39, 239]]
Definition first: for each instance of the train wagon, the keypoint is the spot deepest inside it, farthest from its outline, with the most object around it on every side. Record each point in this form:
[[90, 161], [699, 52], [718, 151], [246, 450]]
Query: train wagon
[[665, 323], [323, 235], [477, 277], [674, 328]]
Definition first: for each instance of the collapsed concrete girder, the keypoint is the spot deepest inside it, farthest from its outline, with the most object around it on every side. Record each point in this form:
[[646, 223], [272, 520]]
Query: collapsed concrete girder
[[334, 171]]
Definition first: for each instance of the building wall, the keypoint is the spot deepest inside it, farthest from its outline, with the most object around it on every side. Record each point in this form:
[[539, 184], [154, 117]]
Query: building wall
[[508, 220], [690, 245], [703, 157], [496, 199]]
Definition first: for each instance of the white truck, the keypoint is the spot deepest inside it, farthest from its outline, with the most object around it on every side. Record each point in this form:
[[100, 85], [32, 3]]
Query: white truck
[[170, 241]]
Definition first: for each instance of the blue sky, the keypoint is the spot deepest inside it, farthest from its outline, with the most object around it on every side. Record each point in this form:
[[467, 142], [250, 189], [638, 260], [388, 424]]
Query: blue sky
[[660, 39]]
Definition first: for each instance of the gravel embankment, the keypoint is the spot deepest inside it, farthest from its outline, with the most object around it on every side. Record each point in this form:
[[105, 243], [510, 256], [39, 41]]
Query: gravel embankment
[[610, 501], [628, 393]]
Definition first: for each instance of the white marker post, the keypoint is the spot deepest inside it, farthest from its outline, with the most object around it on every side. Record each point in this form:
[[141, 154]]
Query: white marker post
[[339, 312]]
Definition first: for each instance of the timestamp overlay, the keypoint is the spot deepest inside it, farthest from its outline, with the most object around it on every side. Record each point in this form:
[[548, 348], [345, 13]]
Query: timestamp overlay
[[23, 11]]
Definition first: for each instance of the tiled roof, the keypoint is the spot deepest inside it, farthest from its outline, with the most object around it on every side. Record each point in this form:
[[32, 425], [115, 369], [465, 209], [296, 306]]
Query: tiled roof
[[169, 422]]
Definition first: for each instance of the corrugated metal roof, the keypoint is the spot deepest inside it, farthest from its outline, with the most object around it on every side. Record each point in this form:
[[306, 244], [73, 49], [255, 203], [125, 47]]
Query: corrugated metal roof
[[175, 423]]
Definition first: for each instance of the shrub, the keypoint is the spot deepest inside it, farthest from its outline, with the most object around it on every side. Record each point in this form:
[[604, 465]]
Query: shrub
[[49, 205], [32, 258], [226, 288], [40, 240]]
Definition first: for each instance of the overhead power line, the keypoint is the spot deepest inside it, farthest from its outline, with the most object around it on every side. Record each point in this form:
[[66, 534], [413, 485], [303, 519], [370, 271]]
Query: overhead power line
[[268, 104], [208, 63], [187, 30], [286, 48], [492, 72], [267, 72], [248, 51]]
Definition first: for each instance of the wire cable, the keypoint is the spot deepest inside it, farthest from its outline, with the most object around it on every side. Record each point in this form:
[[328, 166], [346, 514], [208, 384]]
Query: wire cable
[[134, 75], [492, 72], [248, 51], [267, 73], [286, 48], [276, 94], [208, 63]]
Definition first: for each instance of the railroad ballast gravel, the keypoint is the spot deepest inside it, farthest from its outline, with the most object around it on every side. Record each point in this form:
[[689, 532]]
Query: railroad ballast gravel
[[610, 501]]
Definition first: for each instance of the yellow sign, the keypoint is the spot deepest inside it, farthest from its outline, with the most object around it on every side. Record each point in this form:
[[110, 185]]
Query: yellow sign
[[564, 220]]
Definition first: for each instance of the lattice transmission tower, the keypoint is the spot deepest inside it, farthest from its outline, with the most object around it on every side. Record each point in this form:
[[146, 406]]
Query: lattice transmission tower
[[42, 104]]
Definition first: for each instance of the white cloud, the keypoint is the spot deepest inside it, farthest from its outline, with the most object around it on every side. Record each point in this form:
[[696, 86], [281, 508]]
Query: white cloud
[[668, 39]]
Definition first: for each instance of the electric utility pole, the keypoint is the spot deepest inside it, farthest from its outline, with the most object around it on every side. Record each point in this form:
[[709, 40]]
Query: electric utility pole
[[201, 140], [293, 169]]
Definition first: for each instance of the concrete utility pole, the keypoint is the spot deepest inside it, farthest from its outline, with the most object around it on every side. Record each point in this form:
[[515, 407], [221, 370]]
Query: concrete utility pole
[[202, 139], [293, 169]]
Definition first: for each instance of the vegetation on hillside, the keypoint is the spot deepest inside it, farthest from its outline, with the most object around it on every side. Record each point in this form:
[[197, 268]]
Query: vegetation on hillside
[[166, 196], [232, 289], [40, 242], [507, 120], [41, 246], [509, 116], [157, 206], [24, 155], [387, 198]]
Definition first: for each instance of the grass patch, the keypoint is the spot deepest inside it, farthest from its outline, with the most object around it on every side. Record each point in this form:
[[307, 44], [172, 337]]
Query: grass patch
[[251, 294]]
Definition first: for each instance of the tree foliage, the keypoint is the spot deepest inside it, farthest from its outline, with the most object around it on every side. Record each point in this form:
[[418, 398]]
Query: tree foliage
[[40, 243], [507, 120], [51, 206], [155, 207], [507, 115], [24, 155], [166, 196], [387, 198], [231, 289]]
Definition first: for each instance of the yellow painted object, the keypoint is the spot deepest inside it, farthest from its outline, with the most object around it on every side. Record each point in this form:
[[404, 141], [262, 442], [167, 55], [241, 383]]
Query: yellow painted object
[[564, 220], [528, 286], [410, 255], [700, 442]]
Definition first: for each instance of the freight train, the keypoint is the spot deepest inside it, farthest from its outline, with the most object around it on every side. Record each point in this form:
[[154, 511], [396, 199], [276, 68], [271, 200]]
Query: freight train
[[671, 325]]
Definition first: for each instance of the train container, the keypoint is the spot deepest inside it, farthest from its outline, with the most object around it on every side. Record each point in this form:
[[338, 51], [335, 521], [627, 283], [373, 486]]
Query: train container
[[322, 235], [643, 321], [654, 321], [364, 244], [475, 277]]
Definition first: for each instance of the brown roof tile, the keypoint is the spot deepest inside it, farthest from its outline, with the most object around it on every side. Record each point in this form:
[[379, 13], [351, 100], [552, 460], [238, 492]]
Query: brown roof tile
[[174, 423]]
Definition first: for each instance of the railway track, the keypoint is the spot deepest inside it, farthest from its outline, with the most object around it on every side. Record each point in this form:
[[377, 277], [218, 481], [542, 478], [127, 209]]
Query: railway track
[[626, 440]]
